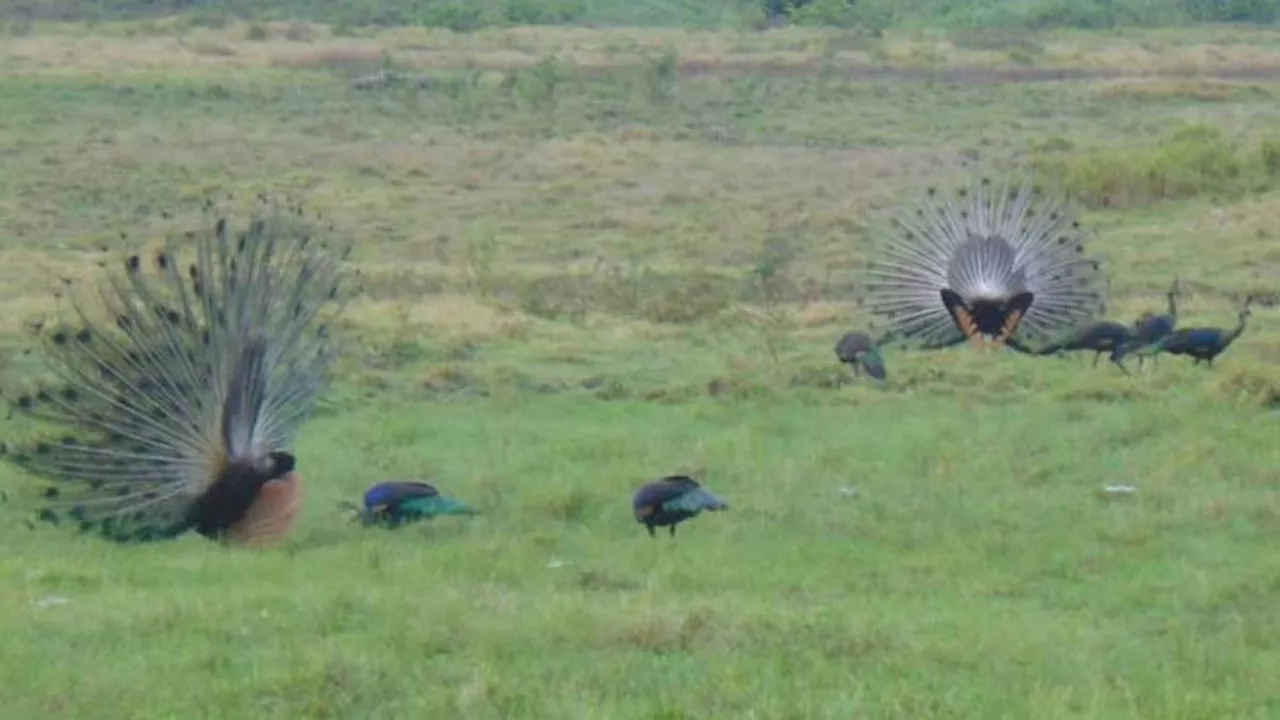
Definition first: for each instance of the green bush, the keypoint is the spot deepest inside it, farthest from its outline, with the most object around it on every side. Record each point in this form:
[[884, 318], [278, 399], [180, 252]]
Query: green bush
[[1192, 161]]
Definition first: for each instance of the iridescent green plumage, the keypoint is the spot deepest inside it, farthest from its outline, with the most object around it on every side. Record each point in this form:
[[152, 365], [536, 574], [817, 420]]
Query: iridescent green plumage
[[396, 502], [1203, 344], [671, 500], [861, 353], [1149, 330]]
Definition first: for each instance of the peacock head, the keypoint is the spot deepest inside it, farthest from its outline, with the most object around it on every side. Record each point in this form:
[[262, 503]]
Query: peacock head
[[279, 464], [355, 513]]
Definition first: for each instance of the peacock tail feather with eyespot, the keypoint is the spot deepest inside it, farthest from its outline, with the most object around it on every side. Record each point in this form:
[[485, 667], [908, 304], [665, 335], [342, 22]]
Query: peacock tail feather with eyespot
[[178, 389], [996, 259]]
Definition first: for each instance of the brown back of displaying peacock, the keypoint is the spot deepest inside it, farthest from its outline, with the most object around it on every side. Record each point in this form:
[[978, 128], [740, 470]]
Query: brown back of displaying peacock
[[179, 388]]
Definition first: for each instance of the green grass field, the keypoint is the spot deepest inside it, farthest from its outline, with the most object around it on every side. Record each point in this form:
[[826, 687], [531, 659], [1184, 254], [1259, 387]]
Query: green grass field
[[558, 232]]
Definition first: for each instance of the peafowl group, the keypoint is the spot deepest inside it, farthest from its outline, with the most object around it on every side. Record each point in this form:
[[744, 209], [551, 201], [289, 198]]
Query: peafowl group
[[176, 391], [1001, 262], [1202, 344]]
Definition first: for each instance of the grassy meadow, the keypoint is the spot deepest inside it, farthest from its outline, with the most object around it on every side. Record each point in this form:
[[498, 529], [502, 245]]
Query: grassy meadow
[[594, 256]]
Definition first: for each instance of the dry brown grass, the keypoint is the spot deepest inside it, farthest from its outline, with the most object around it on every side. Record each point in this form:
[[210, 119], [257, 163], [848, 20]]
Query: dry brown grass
[[1197, 89], [165, 46]]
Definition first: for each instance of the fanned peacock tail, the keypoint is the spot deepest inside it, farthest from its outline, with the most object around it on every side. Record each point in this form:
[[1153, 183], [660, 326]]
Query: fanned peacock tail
[[180, 386], [997, 259]]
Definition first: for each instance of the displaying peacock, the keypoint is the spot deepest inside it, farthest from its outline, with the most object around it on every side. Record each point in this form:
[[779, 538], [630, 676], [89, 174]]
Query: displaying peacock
[[671, 500], [861, 353], [1203, 344], [396, 502], [989, 260], [180, 387]]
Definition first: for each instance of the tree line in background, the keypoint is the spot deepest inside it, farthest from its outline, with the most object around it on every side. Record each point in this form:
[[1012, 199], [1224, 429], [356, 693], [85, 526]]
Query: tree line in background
[[465, 15]]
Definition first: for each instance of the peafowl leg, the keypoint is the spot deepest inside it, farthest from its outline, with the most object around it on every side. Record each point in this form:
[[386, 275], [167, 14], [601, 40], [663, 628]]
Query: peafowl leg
[[652, 534], [672, 526], [1097, 356]]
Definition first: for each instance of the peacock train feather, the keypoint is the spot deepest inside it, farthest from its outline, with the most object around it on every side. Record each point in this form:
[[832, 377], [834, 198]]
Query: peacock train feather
[[998, 260], [181, 385]]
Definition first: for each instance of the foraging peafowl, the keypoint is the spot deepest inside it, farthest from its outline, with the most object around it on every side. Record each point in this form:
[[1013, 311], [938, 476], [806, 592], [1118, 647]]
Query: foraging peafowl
[[180, 387], [1149, 329], [1201, 343], [396, 502], [1100, 337], [860, 352], [985, 261], [670, 501]]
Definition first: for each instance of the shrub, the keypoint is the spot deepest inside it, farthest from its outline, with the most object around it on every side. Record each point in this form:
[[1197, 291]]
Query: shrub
[[1194, 160]]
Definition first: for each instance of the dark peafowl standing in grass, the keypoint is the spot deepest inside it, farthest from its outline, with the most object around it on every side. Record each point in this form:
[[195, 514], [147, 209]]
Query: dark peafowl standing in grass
[[1203, 344], [1149, 329], [861, 353], [990, 260], [397, 502], [1102, 336], [671, 500], [181, 385]]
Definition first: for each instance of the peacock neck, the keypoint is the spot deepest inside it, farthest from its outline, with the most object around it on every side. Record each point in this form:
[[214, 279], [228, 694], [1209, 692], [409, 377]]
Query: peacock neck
[[1235, 332]]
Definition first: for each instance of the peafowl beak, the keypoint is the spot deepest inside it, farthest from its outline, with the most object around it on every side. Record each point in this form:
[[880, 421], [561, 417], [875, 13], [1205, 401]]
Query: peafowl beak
[[354, 512]]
